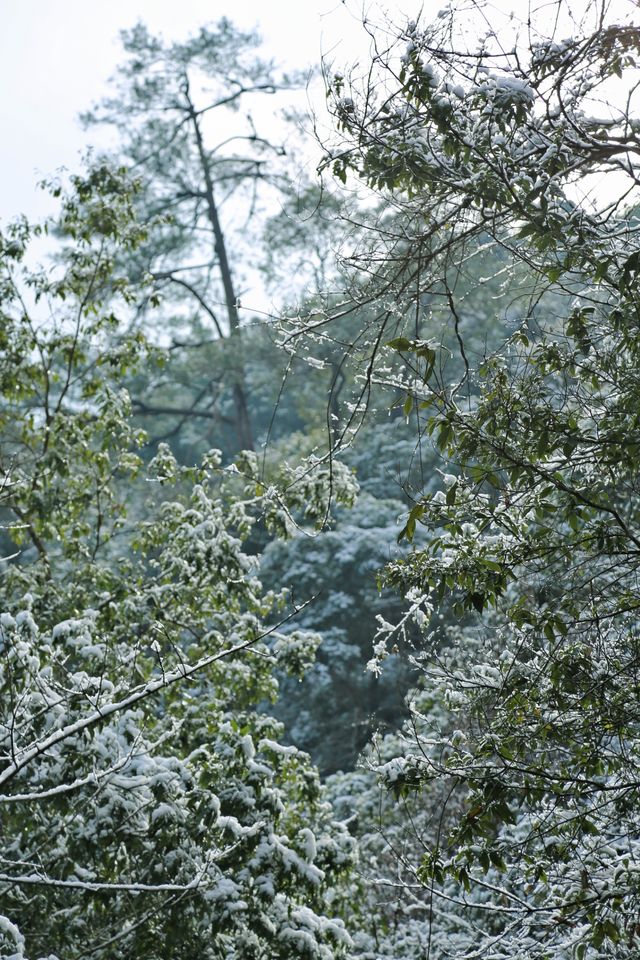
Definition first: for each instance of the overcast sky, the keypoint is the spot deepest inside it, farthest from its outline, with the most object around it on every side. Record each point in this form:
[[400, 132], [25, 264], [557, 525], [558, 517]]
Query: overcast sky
[[57, 55]]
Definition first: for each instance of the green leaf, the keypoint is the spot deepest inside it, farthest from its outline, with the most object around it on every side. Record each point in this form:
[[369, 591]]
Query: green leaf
[[401, 344]]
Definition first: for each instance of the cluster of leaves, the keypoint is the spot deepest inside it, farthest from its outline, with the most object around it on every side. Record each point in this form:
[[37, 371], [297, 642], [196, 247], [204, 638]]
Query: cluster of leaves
[[480, 141], [146, 804]]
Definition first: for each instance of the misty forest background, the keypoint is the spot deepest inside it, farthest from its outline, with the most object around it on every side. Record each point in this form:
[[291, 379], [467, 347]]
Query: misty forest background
[[319, 633]]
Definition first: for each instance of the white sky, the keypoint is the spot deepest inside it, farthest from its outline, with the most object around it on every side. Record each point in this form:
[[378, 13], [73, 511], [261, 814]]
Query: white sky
[[57, 55]]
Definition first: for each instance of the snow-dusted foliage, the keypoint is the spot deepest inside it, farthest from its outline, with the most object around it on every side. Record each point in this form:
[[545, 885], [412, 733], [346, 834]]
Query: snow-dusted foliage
[[148, 809], [478, 140], [336, 706], [140, 788]]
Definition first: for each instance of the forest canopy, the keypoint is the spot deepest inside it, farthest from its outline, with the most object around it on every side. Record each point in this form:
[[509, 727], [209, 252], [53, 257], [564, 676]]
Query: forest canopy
[[319, 632]]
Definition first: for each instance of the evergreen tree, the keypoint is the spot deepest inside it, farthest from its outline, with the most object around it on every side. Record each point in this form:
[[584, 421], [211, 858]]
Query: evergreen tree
[[183, 114]]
